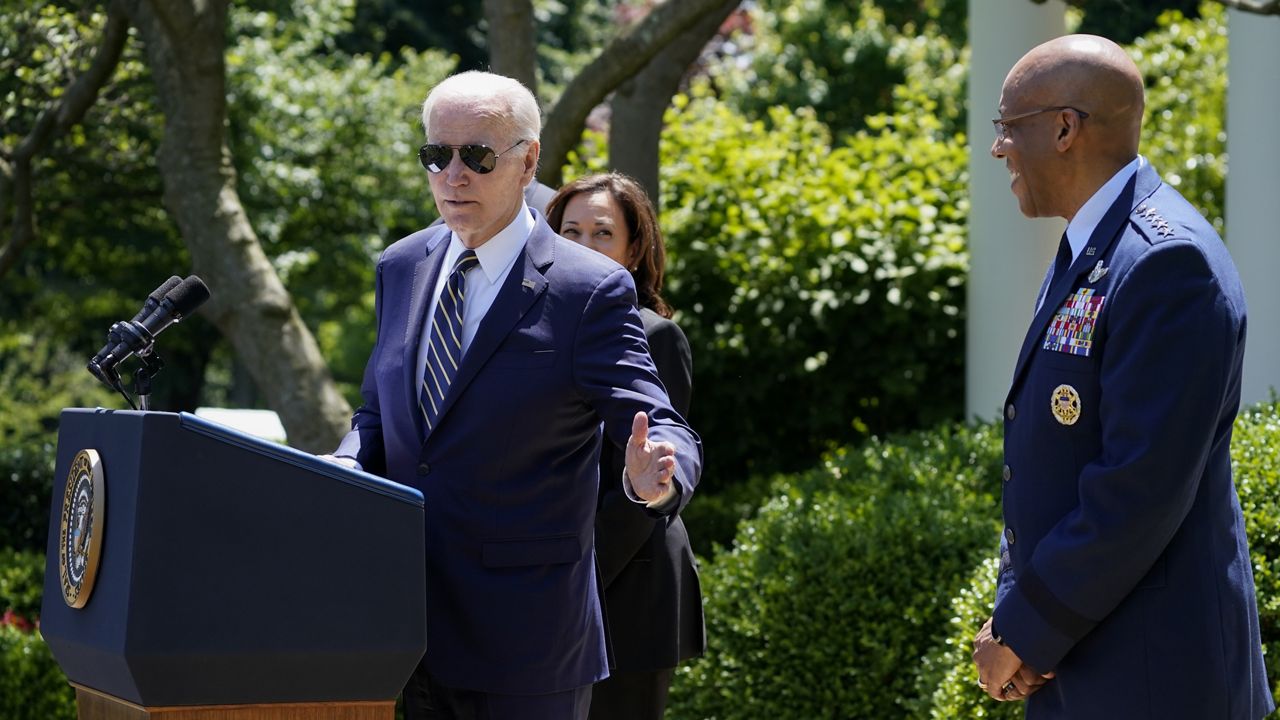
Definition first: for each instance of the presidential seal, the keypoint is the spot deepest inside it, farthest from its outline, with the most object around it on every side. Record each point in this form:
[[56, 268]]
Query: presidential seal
[[1065, 404], [80, 536]]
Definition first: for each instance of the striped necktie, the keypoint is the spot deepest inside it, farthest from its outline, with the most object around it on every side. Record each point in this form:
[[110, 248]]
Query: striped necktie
[[444, 351]]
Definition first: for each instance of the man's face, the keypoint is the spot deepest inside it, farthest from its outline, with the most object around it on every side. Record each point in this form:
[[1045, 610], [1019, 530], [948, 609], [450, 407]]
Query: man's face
[[1026, 146], [477, 205]]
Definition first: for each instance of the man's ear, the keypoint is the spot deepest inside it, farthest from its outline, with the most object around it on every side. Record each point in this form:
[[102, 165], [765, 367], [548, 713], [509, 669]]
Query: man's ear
[[531, 160], [1068, 127]]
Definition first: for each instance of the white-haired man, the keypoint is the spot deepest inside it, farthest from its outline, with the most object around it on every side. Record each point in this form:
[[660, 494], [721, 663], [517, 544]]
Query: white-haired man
[[502, 350]]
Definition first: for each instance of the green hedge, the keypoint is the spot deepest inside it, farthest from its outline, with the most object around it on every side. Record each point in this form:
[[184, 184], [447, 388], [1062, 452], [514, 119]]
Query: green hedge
[[842, 582], [821, 285], [32, 687]]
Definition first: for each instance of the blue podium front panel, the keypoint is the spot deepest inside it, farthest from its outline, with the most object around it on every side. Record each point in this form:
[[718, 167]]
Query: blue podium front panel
[[238, 571]]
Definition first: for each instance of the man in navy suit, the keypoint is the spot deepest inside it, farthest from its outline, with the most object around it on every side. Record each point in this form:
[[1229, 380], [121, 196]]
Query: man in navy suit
[[502, 350], [1125, 587]]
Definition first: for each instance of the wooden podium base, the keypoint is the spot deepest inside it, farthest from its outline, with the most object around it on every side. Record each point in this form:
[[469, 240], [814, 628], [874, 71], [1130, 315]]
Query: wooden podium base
[[93, 705]]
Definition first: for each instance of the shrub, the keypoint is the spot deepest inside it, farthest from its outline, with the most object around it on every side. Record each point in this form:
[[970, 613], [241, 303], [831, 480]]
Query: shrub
[[1184, 66], [832, 593], [820, 285], [946, 684], [1255, 460], [32, 687], [21, 582]]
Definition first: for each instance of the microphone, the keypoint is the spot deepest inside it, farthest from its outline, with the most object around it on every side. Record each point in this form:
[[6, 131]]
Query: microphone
[[148, 307], [138, 337]]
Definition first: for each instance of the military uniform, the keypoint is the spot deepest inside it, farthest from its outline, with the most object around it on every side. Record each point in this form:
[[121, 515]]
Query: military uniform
[[1125, 567]]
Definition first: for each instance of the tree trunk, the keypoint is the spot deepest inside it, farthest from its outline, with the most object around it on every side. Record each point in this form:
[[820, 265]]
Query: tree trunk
[[622, 58], [185, 42], [513, 49], [638, 105]]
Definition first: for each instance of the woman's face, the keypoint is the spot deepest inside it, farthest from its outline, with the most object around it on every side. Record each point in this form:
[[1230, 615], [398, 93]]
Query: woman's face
[[595, 220]]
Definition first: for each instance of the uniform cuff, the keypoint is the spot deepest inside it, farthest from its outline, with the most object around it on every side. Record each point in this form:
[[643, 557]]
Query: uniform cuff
[[1024, 627]]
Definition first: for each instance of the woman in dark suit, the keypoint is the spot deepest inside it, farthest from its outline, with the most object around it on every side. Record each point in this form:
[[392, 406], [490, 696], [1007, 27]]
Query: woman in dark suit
[[646, 565]]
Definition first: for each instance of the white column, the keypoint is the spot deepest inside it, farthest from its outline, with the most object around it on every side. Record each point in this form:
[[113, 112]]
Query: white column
[[1008, 253], [1253, 187]]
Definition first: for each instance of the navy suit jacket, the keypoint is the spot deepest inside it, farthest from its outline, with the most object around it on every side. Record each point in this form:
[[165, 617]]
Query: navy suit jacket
[[1125, 566], [653, 598], [510, 474]]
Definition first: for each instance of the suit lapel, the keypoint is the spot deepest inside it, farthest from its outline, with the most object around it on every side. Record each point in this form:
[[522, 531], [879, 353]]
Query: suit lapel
[[522, 287], [1139, 188], [425, 274]]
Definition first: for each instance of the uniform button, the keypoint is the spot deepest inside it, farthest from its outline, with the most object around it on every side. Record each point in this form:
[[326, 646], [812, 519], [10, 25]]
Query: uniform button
[[424, 469], [1009, 411], [1008, 473], [1009, 536]]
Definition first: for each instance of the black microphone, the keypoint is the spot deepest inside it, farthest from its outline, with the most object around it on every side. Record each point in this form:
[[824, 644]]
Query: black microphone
[[148, 307], [138, 337]]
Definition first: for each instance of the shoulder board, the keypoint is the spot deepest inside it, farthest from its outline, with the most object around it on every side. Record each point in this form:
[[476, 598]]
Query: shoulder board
[[1150, 219]]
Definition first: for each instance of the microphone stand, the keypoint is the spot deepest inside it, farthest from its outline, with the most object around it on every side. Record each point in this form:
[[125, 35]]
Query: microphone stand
[[142, 377]]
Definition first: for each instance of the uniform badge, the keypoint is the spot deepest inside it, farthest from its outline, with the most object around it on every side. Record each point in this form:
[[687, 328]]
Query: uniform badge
[[1065, 404], [1090, 251], [1098, 272], [80, 532], [1071, 330]]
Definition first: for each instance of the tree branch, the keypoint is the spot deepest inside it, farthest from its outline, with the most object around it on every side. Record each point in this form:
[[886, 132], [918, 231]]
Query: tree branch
[[624, 57], [54, 122]]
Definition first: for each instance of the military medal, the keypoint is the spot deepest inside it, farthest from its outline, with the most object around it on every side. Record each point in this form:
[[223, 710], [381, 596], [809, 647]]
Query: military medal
[[1098, 272], [1065, 404]]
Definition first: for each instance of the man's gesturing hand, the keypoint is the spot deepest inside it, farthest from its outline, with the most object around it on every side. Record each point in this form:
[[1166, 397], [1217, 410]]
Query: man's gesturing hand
[[650, 465]]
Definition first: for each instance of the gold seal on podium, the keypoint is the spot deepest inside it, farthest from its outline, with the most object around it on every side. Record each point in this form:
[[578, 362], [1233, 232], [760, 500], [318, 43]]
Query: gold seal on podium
[[80, 534]]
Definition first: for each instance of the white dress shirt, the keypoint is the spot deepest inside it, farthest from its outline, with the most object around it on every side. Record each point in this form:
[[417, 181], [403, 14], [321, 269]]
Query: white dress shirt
[[1081, 227], [496, 256]]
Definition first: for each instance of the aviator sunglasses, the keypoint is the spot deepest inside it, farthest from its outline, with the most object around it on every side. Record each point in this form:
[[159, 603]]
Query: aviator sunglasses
[[480, 158]]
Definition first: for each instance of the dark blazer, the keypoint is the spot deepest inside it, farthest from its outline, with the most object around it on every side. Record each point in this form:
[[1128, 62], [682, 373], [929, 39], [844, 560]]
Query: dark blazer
[[510, 473], [1125, 567], [653, 600]]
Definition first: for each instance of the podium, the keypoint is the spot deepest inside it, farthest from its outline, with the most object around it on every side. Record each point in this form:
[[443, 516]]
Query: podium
[[224, 577]]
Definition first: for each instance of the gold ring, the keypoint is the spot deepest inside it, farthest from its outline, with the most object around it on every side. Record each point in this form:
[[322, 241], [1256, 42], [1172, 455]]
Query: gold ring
[[981, 684], [1009, 687]]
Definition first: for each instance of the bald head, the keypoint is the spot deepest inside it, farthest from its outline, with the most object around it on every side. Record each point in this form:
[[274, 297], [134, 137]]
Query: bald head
[[1089, 73]]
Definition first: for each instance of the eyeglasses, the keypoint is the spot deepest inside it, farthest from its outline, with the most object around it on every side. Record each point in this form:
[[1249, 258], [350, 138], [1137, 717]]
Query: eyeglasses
[[480, 158], [1002, 124]]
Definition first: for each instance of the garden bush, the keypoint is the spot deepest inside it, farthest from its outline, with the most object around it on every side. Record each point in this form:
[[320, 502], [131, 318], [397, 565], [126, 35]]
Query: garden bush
[[821, 285], [32, 687], [833, 592], [21, 583]]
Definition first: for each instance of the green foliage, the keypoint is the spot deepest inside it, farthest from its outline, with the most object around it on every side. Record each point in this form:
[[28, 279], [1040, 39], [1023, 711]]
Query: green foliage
[[38, 378], [21, 582], [820, 285], [1255, 461], [326, 145], [946, 682], [1184, 66], [32, 687], [832, 593], [713, 518], [843, 59], [1125, 21]]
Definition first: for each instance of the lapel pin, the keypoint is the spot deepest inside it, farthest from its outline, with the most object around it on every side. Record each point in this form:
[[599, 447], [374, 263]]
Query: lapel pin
[[1098, 272], [1090, 251], [527, 283]]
